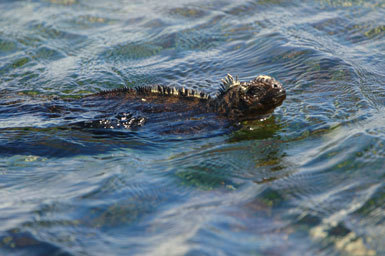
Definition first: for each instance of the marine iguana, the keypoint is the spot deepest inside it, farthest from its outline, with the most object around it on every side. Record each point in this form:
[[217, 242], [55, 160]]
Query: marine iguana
[[236, 101]]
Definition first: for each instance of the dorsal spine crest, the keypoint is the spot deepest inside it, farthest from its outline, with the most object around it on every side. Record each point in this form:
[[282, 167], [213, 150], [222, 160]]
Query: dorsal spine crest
[[171, 91], [228, 82]]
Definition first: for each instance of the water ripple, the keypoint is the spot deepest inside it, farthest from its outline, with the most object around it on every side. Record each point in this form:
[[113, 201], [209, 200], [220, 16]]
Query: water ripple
[[308, 180]]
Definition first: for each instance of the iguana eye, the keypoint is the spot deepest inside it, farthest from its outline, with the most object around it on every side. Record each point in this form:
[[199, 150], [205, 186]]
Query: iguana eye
[[275, 86]]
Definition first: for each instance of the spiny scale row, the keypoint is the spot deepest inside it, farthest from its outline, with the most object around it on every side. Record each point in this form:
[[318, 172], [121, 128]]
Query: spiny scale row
[[160, 89], [165, 90]]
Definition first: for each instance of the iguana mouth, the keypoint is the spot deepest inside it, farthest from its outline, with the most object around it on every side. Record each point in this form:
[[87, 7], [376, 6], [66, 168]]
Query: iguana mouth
[[281, 95]]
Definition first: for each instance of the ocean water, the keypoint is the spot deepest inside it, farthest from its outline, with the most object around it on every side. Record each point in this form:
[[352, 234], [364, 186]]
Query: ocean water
[[307, 181]]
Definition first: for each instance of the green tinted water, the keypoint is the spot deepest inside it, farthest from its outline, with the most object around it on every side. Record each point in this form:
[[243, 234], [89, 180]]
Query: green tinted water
[[308, 180]]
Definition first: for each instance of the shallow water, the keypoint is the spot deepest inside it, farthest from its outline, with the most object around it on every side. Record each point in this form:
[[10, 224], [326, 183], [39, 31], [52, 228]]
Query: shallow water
[[307, 181]]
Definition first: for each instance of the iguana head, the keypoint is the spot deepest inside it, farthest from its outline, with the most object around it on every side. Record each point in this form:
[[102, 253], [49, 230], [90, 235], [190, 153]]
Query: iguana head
[[249, 100]]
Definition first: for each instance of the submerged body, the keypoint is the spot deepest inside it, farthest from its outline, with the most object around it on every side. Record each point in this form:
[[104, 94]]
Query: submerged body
[[236, 101]]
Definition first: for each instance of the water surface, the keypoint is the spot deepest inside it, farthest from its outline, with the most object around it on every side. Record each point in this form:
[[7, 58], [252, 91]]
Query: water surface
[[307, 181]]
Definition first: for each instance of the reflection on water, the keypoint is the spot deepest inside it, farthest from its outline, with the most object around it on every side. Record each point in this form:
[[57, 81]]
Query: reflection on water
[[307, 180]]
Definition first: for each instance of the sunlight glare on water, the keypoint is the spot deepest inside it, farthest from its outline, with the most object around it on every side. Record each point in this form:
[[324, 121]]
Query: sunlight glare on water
[[306, 181]]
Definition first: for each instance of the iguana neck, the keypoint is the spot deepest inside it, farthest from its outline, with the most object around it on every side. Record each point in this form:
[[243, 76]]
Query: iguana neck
[[223, 104]]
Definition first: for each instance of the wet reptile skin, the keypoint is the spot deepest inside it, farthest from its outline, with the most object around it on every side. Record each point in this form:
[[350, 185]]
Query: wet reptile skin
[[236, 101]]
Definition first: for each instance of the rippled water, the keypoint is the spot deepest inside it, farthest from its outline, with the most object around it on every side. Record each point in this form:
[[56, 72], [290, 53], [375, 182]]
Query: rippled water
[[307, 181]]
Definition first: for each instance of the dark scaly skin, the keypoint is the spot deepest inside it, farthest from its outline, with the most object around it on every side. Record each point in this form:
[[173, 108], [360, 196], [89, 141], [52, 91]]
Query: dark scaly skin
[[236, 101], [248, 100]]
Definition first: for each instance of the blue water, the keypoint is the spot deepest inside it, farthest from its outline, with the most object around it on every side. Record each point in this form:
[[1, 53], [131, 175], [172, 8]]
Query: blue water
[[307, 181]]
